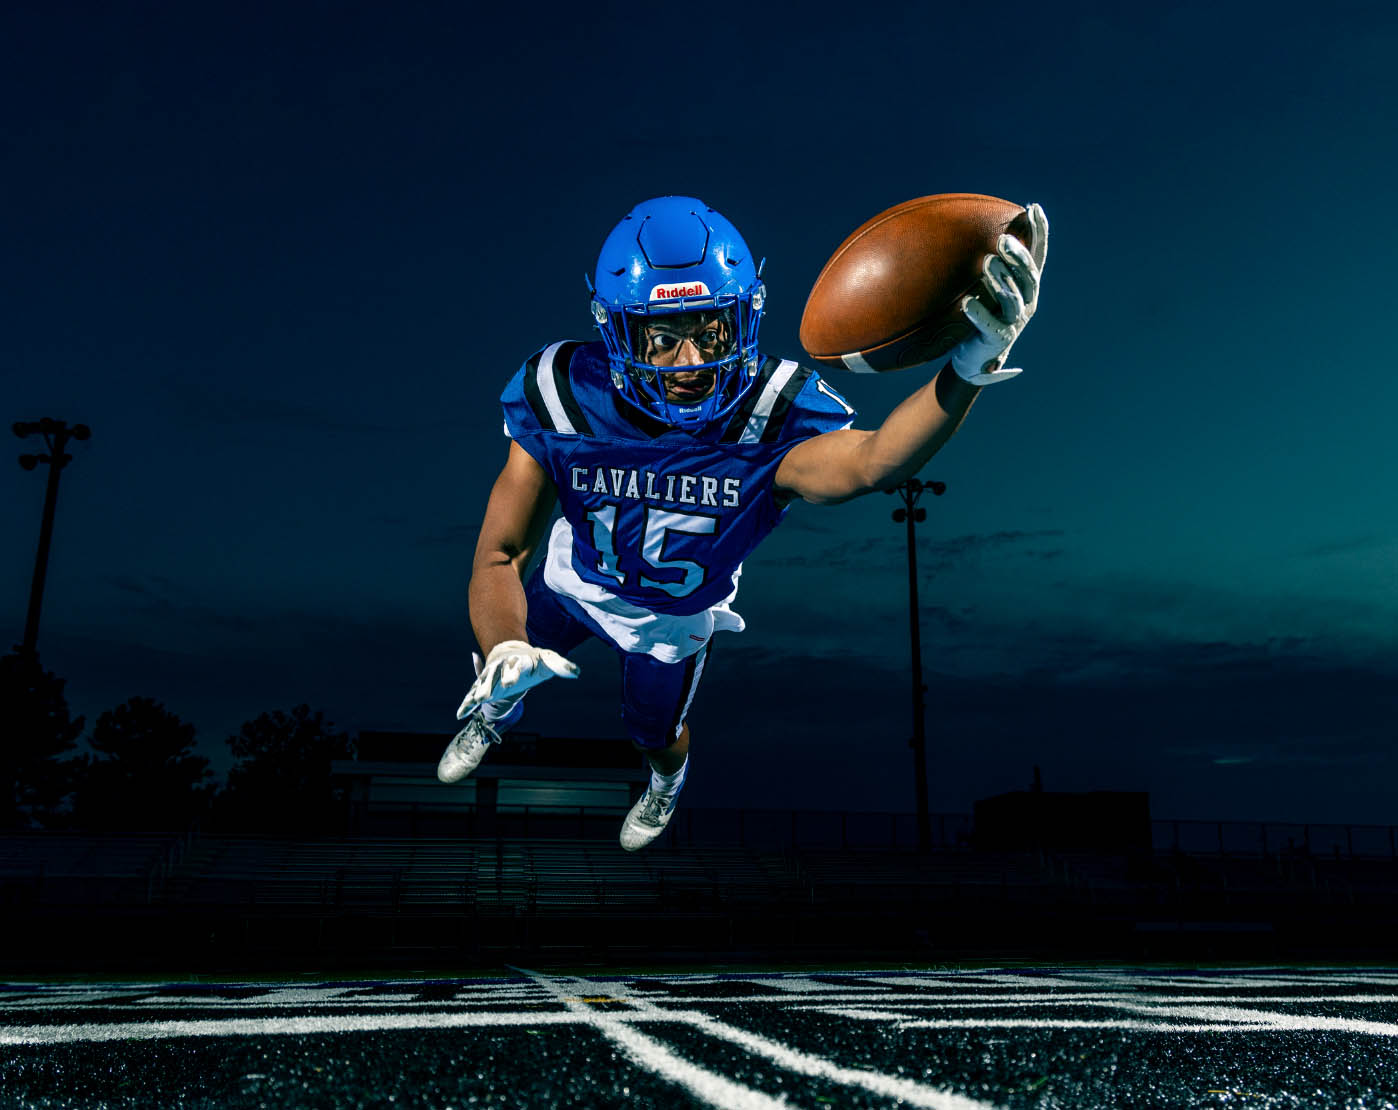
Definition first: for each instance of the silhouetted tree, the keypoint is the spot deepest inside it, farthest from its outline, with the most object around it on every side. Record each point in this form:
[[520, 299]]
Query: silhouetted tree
[[281, 780], [145, 775], [35, 730]]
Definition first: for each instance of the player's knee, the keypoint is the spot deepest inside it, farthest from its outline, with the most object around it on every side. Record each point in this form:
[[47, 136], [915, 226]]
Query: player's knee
[[649, 736], [649, 742]]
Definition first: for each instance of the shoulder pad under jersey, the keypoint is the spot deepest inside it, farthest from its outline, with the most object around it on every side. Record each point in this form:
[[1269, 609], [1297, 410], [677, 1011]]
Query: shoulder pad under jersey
[[786, 404], [540, 397]]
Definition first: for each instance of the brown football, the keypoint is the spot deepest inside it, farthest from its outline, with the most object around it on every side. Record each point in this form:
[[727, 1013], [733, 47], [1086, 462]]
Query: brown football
[[890, 296]]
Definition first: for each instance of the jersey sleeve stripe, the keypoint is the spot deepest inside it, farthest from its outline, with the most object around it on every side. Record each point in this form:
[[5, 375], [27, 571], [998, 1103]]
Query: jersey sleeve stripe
[[783, 404], [762, 411], [546, 385], [563, 382], [530, 381]]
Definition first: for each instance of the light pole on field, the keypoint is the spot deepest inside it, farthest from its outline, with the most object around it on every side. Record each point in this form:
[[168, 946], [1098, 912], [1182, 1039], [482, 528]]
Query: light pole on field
[[910, 491], [56, 436]]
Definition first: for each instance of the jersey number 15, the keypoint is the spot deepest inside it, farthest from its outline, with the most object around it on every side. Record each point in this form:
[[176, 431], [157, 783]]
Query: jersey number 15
[[659, 523]]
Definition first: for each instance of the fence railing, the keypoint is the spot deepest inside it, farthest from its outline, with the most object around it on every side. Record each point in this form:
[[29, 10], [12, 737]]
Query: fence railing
[[779, 829], [1275, 838], [771, 829], [761, 829]]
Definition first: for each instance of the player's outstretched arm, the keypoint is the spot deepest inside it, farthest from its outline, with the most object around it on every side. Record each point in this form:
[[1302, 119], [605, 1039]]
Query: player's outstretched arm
[[841, 465], [515, 518]]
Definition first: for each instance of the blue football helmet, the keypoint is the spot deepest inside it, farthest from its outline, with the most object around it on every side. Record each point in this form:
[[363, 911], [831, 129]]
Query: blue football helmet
[[675, 271]]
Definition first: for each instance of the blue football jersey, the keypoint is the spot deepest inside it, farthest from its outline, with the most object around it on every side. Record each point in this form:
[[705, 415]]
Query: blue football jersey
[[662, 517]]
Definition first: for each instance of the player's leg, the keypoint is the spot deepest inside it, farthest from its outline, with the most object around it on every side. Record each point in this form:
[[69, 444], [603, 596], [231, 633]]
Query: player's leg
[[655, 703], [549, 623], [666, 761]]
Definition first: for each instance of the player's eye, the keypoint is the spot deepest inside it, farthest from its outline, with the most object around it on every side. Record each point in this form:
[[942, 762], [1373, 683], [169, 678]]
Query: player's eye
[[710, 339], [663, 341]]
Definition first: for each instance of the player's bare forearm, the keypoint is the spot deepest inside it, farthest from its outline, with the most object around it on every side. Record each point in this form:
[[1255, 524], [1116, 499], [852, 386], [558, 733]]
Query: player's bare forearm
[[497, 604], [842, 465], [515, 518], [916, 430]]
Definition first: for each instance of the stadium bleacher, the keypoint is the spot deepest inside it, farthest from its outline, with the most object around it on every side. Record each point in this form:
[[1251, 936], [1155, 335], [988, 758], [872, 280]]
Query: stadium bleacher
[[525, 862]]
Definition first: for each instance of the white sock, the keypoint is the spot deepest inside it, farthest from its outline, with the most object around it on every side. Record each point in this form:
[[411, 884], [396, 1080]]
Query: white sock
[[508, 712], [669, 784]]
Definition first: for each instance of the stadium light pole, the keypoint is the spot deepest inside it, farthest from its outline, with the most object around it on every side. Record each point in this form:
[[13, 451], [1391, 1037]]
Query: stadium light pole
[[56, 436], [910, 491]]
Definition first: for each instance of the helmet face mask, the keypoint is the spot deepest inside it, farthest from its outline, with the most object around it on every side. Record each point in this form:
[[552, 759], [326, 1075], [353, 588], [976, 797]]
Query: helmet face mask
[[676, 356], [682, 339], [678, 301]]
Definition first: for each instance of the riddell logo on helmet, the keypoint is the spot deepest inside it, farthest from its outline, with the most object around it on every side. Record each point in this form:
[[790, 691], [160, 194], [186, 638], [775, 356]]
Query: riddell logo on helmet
[[674, 292]]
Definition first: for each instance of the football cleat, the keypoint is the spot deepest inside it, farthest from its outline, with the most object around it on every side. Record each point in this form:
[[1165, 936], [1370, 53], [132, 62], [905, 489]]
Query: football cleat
[[647, 819], [467, 749]]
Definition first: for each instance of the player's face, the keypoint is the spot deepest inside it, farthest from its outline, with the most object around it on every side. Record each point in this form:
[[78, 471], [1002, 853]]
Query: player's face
[[686, 339]]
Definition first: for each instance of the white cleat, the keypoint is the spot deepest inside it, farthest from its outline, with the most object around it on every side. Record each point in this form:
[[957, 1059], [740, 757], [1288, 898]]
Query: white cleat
[[466, 750], [647, 819]]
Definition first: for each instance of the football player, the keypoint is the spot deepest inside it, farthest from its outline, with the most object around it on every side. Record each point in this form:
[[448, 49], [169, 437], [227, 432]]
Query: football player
[[673, 445]]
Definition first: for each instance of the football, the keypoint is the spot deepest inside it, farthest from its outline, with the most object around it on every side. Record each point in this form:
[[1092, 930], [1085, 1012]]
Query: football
[[890, 296]]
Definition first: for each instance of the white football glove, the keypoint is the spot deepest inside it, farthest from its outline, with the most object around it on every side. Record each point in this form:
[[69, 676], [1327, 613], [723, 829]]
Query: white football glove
[[511, 668], [1012, 274]]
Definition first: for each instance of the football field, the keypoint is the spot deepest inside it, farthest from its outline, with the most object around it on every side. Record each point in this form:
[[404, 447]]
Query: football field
[[751, 1040]]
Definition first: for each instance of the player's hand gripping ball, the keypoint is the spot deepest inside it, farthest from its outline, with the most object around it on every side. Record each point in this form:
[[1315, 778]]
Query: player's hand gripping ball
[[512, 668], [955, 275]]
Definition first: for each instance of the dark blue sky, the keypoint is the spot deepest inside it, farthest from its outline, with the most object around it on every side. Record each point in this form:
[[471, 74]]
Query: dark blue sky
[[283, 260]]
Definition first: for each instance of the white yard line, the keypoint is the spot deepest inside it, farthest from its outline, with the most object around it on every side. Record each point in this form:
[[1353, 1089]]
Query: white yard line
[[1050, 1024], [890, 1086], [792, 984], [1303, 1023], [1207, 1019], [1231, 982], [299, 998], [517, 998], [1142, 1002], [652, 1056], [259, 1027], [909, 1091]]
